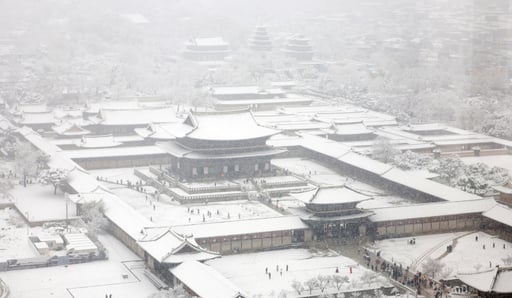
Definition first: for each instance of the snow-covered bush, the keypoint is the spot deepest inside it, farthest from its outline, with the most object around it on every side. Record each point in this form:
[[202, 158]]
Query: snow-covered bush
[[409, 160]]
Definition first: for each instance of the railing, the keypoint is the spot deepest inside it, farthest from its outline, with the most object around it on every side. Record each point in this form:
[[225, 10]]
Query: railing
[[157, 282]]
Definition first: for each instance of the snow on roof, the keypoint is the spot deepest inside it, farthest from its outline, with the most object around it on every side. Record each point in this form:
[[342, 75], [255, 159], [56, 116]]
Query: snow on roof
[[426, 186], [32, 108], [114, 152], [493, 280], [256, 102], [431, 210], [57, 159], [219, 126], [500, 213], [79, 242], [352, 129], [119, 212], [343, 154], [98, 141], [69, 129], [166, 246], [37, 118], [259, 153], [138, 116], [424, 127], [306, 125], [82, 182], [164, 131], [242, 227], [503, 189], [330, 195], [208, 41], [502, 283], [235, 90], [368, 164], [284, 141], [324, 146], [94, 108], [205, 281]]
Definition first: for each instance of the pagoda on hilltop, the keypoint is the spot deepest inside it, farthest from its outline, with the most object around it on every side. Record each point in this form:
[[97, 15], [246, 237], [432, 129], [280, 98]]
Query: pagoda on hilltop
[[299, 47], [260, 40], [220, 145]]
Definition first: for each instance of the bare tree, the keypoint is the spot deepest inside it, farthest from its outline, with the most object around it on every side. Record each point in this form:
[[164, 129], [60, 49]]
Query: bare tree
[[297, 286], [311, 284], [369, 278], [338, 281], [322, 282]]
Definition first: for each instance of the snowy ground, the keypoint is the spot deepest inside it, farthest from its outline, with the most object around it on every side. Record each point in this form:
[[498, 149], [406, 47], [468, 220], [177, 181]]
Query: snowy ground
[[247, 271], [167, 212], [310, 169], [468, 254], [86, 280], [502, 161], [322, 175], [14, 243], [39, 202]]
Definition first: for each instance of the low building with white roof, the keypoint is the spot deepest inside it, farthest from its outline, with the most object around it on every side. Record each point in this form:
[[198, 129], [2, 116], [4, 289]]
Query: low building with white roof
[[495, 282], [429, 218], [499, 220], [249, 235], [204, 281]]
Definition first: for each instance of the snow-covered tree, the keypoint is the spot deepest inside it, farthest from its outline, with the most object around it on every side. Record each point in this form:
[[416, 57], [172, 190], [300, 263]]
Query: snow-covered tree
[[448, 168], [297, 286], [431, 267], [176, 292], [338, 280], [322, 282], [369, 278], [409, 160], [383, 150], [311, 284], [56, 177], [92, 215], [26, 161]]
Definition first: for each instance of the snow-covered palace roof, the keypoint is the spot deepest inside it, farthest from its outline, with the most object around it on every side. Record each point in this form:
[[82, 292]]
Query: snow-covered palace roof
[[431, 210], [167, 246], [330, 195], [224, 126], [138, 116]]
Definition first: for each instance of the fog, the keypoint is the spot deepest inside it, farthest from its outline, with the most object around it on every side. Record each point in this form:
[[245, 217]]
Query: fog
[[290, 134], [417, 54]]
